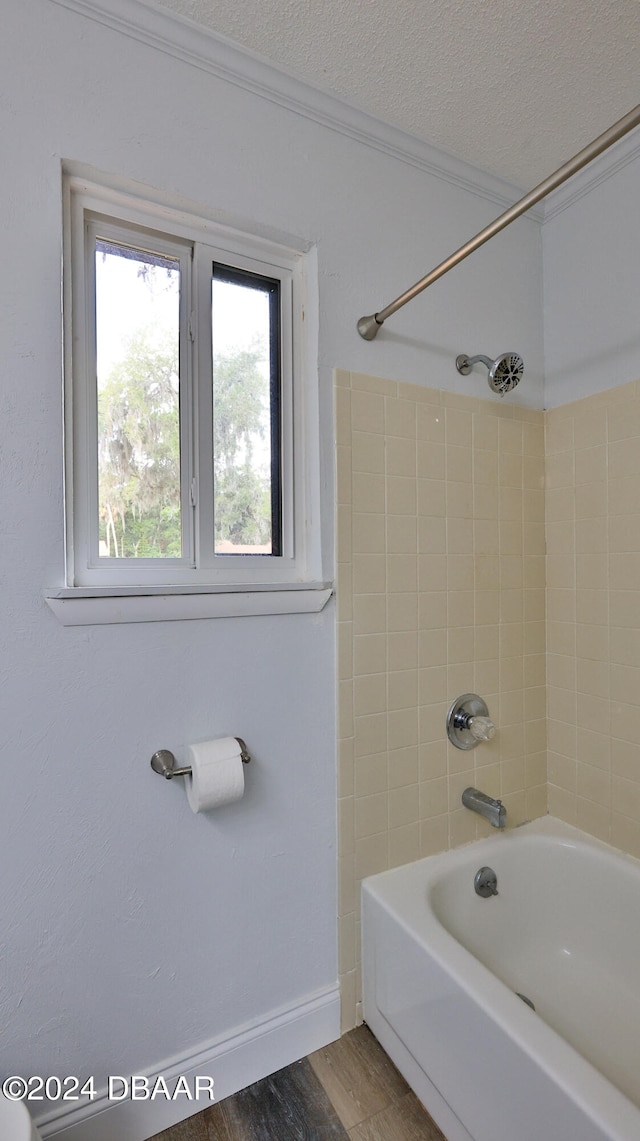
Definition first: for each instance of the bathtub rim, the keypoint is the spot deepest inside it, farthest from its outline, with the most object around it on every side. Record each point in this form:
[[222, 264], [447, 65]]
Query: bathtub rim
[[595, 1094]]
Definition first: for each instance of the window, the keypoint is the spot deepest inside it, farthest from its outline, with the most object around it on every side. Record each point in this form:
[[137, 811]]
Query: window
[[189, 423]]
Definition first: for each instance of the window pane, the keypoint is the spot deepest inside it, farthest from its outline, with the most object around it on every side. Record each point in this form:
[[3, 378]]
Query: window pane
[[246, 412], [137, 365]]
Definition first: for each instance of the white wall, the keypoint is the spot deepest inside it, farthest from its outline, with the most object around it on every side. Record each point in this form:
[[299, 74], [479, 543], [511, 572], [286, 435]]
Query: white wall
[[115, 898], [591, 257]]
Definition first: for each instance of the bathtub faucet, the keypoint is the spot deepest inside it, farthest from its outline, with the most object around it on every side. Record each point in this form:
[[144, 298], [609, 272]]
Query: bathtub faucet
[[493, 810]]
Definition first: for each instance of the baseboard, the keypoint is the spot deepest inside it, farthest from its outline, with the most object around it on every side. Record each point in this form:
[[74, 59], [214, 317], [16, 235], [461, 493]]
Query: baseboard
[[235, 1061]]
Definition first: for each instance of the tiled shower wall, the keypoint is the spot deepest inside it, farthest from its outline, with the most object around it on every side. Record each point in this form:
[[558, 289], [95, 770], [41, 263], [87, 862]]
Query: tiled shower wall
[[593, 579], [441, 591]]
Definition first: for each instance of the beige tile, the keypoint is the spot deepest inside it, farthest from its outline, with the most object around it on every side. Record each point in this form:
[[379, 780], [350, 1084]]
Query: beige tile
[[367, 412], [367, 454], [625, 834], [369, 533], [346, 826], [458, 464], [401, 535], [594, 819], [562, 771], [432, 535], [434, 573], [401, 418], [372, 855], [370, 775], [433, 797], [369, 654], [536, 801], [559, 435], [593, 677], [590, 428], [368, 492], [401, 495], [431, 421], [370, 694], [370, 614], [562, 804], [403, 766], [402, 728], [370, 733], [432, 497], [594, 748], [560, 470], [431, 460], [362, 380], [624, 571], [622, 495], [459, 500], [432, 722], [591, 500], [403, 806], [594, 783], [624, 458], [347, 898], [623, 421], [402, 573], [462, 573], [371, 814], [459, 428], [432, 647], [434, 835], [562, 739], [402, 649], [432, 759], [404, 844], [402, 611], [345, 709], [401, 457], [591, 465], [369, 574], [625, 796], [345, 650], [402, 689]]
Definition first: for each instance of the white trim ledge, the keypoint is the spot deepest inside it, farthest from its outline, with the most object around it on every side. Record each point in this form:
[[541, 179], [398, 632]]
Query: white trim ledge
[[234, 1061], [75, 606]]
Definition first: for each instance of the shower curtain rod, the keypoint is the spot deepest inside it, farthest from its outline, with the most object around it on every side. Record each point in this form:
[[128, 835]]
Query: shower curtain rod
[[368, 326]]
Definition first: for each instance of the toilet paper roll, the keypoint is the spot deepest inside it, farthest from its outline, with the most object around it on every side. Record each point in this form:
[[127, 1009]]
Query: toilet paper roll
[[217, 775]]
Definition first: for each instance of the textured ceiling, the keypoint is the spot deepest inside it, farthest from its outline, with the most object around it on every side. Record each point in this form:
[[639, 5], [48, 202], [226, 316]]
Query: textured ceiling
[[515, 87]]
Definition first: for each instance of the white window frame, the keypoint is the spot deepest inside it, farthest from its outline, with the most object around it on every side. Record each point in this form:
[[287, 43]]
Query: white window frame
[[178, 233]]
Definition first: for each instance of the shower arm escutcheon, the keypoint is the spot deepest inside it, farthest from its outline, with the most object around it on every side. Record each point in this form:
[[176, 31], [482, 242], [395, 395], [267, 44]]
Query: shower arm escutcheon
[[368, 327]]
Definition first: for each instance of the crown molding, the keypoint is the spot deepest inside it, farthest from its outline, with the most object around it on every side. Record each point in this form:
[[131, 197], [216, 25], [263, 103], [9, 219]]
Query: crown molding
[[599, 170], [177, 36]]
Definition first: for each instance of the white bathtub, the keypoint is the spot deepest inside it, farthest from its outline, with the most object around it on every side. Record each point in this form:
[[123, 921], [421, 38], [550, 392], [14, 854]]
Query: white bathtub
[[441, 965]]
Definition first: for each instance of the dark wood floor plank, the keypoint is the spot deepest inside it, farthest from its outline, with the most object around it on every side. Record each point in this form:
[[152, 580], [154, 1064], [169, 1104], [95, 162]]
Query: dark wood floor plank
[[193, 1129], [290, 1105], [360, 1079], [405, 1120]]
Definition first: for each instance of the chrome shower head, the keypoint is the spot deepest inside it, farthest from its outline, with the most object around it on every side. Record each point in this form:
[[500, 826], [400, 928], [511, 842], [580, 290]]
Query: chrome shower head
[[504, 373]]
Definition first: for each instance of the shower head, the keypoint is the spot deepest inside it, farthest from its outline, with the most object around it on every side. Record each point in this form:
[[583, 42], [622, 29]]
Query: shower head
[[504, 373]]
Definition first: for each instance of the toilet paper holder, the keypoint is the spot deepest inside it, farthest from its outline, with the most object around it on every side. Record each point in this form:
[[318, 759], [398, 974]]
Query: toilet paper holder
[[163, 762]]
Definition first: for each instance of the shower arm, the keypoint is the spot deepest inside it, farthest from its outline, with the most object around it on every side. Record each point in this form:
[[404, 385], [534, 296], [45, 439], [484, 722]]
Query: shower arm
[[368, 326]]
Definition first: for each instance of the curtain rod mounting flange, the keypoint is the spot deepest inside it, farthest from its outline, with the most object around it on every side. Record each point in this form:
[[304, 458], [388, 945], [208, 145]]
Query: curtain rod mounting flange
[[368, 327]]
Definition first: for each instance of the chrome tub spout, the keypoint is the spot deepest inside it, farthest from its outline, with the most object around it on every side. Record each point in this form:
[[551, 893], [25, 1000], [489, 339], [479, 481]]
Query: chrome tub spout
[[493, 810]]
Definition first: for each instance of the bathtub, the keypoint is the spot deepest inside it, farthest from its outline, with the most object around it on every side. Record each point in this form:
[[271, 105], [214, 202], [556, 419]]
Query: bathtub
[[442, 967]]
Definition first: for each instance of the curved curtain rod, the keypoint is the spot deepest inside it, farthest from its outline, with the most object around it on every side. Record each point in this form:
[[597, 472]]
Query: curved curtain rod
[[368, 326]]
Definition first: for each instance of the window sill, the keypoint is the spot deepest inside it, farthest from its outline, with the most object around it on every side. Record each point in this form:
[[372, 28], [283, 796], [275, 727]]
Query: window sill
[[97, 606]]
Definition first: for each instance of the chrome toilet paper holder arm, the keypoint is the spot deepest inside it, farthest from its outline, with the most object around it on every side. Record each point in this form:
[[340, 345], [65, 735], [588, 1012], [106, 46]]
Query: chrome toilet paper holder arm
[[163, 762]]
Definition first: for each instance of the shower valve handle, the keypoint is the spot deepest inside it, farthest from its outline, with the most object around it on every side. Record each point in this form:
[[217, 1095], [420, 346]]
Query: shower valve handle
[[481, 728]]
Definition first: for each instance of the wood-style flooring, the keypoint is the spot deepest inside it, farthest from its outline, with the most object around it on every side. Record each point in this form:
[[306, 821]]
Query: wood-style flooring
[[349, 1091]]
